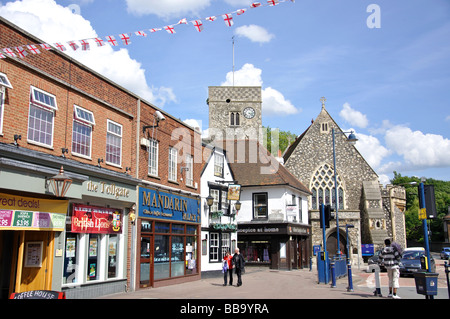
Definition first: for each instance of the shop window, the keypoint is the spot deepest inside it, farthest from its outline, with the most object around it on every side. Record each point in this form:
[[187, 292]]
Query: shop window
[[260, 210], [93, 257], [113, 254], [255, 251], [41, 117], [162, 257], [114, 143], [177, 264], [70, 272]]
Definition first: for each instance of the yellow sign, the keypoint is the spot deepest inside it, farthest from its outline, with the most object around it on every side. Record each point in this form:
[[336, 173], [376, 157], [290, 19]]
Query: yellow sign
[[422, 213], [11, 202]]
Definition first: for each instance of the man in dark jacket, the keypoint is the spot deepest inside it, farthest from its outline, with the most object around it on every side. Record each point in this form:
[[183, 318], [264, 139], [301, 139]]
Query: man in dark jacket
[[239, 264]]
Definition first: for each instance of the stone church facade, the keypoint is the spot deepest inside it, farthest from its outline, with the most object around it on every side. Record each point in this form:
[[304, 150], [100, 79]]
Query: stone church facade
[[375, 212]]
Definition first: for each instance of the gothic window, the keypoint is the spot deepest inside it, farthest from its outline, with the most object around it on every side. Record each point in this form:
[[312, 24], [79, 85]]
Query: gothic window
[[323, 188], [235, 119], [324, 127]]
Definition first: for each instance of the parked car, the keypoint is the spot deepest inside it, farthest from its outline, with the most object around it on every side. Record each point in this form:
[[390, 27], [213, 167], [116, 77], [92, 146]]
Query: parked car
[[374, 260], [410, 262], [445, 253]]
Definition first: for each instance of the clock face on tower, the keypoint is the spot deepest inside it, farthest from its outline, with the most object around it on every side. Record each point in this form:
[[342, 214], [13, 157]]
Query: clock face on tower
[[249, 112]]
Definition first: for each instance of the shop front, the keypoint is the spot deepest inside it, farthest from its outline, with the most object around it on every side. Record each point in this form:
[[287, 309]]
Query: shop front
[[27, 239], [276, 245], [168, 227]]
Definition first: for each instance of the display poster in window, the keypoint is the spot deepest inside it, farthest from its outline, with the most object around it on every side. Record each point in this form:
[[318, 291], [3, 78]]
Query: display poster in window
[[234, 192], [96, 220], [70, 247], [33, 254]]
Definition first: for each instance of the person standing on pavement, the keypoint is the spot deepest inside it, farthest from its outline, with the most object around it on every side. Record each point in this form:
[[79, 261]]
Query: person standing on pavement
[[228, 260], [390, 257], [239, 264]]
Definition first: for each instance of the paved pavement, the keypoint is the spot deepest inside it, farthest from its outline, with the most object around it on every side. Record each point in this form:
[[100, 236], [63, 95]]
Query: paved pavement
[[264, 283]]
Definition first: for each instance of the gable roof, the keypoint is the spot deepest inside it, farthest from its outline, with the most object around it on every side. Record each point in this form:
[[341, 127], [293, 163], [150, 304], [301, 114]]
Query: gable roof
[[253, 165]]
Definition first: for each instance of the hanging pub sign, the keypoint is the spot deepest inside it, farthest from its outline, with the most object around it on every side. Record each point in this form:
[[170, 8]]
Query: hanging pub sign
[[234, 192], [96, 220]]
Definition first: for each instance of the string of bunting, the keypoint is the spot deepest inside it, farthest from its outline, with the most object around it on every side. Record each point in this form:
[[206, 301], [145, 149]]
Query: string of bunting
[[85, 44]]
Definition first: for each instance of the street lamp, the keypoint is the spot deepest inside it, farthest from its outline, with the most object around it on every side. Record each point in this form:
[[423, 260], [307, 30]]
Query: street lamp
[[61, 183], [237, 205], [351, 139]]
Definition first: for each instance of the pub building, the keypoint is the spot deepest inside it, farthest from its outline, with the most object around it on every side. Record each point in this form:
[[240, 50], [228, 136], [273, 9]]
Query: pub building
[[168, 232], [272, 224]]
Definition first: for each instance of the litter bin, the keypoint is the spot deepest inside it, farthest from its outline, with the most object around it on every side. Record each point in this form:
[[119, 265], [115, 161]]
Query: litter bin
[[426, 283]]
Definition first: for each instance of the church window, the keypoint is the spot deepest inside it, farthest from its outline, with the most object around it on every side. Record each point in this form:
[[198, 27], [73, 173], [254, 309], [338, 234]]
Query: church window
[[324, 127], [235, 119], [323, 188]]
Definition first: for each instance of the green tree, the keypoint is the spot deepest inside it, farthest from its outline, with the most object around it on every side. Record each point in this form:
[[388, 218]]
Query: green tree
[[413, 225], [285, 138]]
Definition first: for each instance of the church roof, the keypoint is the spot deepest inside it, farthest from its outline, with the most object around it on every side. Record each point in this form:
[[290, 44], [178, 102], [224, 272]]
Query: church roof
[[253, 165]]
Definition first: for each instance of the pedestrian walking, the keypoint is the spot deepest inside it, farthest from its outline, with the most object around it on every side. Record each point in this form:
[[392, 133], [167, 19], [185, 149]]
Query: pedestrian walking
[[227, 268], [239, 264], [390, 257]]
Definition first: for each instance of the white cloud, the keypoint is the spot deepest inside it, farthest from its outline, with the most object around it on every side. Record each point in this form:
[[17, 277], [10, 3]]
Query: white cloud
[[371, 149], [273, 101], [54, 23], [167, 8], [419, 150], [254, 33], [238, 2], [353, 117]]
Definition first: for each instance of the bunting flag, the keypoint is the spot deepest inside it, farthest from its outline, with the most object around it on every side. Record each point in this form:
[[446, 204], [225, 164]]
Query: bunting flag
[[126, 37], [198, 25], [84, 45], [21, 52], [33, 48]]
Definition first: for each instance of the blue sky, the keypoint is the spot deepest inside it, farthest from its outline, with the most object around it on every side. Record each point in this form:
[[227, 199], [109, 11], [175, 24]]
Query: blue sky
[[383, 66]]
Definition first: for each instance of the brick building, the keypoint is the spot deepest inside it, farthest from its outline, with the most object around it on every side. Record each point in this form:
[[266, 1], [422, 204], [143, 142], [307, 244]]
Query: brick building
[[56, 112]]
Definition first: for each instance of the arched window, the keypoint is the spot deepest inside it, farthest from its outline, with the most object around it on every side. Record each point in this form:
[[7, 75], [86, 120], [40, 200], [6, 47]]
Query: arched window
[[322, 188], [235, 119]]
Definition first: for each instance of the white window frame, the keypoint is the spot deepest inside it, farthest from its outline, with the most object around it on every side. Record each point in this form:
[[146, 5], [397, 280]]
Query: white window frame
[[219, 163], [41, 106], [153, 155], [77, 120], [214, 246], [173, 154], [4, 81], [2, 107], [189, 170], [116, 135]]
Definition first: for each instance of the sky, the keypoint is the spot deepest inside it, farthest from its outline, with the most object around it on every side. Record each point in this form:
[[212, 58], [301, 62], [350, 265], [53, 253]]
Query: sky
[[382, 65]]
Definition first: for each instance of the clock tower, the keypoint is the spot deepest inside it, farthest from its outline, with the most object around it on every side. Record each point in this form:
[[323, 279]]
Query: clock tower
[[235, 112]]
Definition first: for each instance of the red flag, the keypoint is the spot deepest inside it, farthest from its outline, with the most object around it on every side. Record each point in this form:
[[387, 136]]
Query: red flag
[[125, 38], [99, 42], [255, 4]]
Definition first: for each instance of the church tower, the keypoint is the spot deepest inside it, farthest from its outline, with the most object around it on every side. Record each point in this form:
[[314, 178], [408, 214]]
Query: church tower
[[234, 112]]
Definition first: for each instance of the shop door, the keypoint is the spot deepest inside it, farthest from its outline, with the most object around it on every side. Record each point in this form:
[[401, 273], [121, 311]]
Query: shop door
[[146, 262]]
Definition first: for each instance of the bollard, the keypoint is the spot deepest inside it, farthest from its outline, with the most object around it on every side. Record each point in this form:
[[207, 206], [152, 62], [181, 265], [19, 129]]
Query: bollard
[[377, 291], [446, 273], [333, 275], [310, 263], [349, 274]]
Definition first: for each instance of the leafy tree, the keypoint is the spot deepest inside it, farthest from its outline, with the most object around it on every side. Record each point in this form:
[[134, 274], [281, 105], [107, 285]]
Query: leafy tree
[[413, 225], [285, 138]]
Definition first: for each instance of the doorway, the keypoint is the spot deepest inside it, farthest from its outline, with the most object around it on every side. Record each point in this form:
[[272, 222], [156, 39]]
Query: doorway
[[332, 244], [146, 262]]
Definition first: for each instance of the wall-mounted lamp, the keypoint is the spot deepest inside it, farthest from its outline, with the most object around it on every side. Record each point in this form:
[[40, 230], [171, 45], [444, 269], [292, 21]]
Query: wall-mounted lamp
[[17, 137], [128, 169], [209, 201], [61, 183], [64, 151], [99, 160], [237, 205]]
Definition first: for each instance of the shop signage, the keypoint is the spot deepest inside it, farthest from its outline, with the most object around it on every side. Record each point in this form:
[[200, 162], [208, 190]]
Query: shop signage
[[159, 204], [27, 213], [96, 220], [107, 189]]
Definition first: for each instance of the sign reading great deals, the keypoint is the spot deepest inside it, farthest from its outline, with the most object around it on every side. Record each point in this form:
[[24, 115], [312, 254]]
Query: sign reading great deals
[[163, 205], [96, 220], [27, 213]]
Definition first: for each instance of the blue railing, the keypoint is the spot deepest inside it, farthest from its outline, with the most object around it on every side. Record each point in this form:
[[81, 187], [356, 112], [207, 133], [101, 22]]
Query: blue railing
[[325, 271]]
